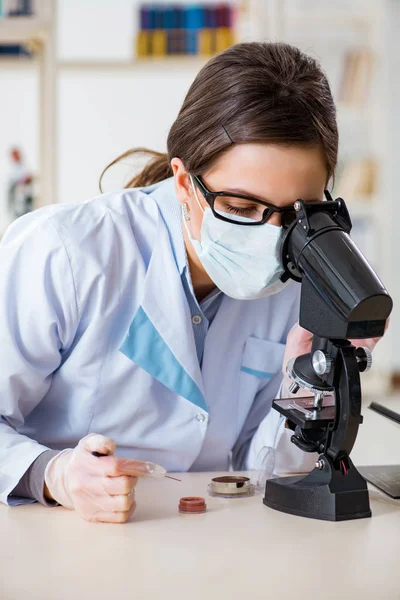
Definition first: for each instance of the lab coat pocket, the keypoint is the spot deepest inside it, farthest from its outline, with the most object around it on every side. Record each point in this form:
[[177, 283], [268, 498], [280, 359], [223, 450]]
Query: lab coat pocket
[[261, 368], [262, 359]]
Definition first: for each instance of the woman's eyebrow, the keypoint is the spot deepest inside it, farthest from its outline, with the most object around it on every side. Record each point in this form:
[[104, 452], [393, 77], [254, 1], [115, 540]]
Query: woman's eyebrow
[[245, 193], [248, 194]]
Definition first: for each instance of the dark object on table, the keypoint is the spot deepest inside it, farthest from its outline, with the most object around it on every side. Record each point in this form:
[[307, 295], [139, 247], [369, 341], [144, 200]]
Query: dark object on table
[[384, 477], [386, 412]]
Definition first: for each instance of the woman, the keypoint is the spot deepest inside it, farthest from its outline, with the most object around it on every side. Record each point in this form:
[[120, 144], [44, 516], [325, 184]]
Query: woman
[[154, 320]]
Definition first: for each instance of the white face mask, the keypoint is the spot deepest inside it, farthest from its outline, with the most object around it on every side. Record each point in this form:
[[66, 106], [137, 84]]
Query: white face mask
[[241, 261]]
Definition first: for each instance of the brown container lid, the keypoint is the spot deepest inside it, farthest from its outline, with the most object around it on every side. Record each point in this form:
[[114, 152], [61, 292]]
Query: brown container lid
[[192, 504]]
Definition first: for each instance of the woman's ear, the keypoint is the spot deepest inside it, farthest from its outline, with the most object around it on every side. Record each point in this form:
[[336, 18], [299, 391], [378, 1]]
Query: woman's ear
[[182, 181]]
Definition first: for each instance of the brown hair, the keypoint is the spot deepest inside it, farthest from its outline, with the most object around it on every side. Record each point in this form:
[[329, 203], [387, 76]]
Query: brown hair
[[252, 92]]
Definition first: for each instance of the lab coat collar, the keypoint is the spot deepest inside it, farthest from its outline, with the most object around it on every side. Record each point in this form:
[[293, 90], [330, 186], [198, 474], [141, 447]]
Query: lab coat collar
[[160, 338], [164, 195]]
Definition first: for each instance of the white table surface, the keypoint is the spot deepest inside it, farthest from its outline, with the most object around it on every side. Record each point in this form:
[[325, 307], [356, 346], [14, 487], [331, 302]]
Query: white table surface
[[238, 549]]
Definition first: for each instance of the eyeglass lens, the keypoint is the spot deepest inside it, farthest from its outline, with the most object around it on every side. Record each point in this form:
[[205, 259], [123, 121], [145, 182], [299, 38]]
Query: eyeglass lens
[[239, 209], [243, 210]]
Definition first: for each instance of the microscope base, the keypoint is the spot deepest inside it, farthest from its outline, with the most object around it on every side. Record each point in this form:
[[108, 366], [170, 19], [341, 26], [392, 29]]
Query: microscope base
[[324, 494]]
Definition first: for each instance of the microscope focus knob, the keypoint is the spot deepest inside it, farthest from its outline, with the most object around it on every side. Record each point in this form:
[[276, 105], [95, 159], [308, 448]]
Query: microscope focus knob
[[364, 359], [294, 388], [321, 362]]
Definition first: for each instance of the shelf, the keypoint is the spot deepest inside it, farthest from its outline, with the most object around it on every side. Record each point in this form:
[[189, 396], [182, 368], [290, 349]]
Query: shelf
[[17, 62], [18, 30], [172, 62], [329, 20]]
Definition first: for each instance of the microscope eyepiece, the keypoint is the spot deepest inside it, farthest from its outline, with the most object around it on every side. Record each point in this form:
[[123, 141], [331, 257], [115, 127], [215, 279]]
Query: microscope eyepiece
[[341, 295]]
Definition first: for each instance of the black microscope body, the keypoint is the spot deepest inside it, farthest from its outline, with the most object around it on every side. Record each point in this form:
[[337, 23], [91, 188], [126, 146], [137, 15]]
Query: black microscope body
[[341, 299]]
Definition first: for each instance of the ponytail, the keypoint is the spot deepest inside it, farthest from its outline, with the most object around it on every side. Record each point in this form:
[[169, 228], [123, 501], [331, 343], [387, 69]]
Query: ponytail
[[156, 169]]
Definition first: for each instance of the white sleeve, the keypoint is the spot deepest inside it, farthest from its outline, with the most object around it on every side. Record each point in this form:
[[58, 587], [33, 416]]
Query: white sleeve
[[38, 320], [288, 457], [266, 427]]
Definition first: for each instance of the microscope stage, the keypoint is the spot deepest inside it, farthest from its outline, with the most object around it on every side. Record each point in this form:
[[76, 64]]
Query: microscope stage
[[301, 411]]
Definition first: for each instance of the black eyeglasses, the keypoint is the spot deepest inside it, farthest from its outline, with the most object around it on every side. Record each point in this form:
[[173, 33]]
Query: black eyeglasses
[[243, 210]]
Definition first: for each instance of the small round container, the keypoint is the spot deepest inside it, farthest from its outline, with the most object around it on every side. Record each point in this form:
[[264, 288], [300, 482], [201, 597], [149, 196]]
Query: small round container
[[231, 486], [192, 505]]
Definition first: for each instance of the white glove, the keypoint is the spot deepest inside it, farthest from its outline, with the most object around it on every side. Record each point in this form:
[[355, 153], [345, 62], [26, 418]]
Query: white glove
[[98, 488], [298, 342]]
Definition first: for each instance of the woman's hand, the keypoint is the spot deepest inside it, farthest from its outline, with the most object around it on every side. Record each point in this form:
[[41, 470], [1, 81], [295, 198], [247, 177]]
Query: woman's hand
[[299, 342], [98, 488]]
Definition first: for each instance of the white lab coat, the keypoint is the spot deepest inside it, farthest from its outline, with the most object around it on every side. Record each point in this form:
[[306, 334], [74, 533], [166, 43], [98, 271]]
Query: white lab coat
[[96, 336]]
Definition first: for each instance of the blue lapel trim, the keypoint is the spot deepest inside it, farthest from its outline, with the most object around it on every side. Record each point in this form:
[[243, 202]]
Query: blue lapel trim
[[160, 338], [145, 346], [260, 374]]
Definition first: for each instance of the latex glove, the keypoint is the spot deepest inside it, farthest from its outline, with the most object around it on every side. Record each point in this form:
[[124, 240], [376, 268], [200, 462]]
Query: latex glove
[[299, 342], [98, 488]]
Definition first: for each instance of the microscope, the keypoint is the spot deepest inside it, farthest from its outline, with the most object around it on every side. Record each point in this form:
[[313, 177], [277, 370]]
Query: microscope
[[341, 299]]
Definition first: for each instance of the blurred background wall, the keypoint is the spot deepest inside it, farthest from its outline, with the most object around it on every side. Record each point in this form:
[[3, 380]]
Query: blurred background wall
[[81, 81]]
